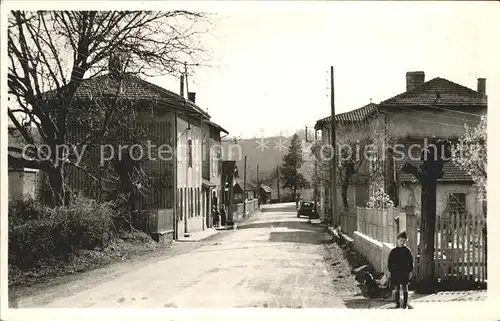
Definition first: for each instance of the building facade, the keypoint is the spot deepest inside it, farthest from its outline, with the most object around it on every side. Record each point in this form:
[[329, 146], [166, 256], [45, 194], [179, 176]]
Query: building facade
[[177, 203], [399, 128]]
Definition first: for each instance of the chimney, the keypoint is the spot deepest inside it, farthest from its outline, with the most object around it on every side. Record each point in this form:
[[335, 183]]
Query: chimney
[[192, 97], [414, 79], [481, 86], [182, 87]]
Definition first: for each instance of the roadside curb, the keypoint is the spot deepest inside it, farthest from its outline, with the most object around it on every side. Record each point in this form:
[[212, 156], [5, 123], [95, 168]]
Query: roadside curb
[[244, 220], [217, 231], [343, 238]]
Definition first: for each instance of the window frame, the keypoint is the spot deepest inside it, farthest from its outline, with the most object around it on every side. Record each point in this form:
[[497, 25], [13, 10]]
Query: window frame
[[456, 204]]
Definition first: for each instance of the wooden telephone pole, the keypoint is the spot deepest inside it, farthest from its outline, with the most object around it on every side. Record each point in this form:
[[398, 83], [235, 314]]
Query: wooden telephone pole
[[315, 175], [245, 187], [334, 145], [278, 182], [258, 177]]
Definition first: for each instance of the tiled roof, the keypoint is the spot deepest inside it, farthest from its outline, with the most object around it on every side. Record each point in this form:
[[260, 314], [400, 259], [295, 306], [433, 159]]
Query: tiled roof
[[355, 115], [451, 172], [217, 126], [237, 188], [250, 186], [266, 188], [133, 88], [439, 91]]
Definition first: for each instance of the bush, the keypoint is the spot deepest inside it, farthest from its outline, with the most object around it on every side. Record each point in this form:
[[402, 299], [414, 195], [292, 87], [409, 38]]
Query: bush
[[21, 211], [380, 199], [57, 232]]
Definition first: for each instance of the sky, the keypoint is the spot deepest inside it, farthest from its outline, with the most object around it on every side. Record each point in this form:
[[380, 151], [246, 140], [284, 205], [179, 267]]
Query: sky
[[271, 61]]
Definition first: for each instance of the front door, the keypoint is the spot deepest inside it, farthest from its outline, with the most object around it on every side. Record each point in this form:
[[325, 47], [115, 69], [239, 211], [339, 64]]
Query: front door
[[207, 208]]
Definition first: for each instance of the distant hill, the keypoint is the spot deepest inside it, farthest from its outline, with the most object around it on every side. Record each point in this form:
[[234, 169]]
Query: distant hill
[[267, 152]]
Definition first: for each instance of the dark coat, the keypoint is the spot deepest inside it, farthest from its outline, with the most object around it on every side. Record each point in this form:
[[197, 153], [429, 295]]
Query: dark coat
[[400, 264]]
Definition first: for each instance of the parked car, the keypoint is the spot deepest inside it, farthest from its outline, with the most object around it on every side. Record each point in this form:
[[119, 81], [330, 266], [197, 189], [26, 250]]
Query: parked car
[[306, 208]]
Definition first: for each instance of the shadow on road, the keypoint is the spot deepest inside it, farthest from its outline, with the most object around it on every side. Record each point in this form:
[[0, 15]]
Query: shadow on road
[[365, 303], [294, 225], [286, 209], [308, 237]]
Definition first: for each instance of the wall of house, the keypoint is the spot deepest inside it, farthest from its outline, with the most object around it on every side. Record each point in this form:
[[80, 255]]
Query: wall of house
[[211, 165], [251, 194], [410, 196], [346, 134], [190, 177], [23, 184], [394, 125], [420, 123]]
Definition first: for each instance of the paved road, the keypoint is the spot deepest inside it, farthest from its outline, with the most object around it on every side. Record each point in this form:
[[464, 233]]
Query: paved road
[[274, 260]]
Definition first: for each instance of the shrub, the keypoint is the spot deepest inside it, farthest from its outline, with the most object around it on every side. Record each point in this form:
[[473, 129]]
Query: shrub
[[89, 223], [58, 232], [380, 199], [21, 211]]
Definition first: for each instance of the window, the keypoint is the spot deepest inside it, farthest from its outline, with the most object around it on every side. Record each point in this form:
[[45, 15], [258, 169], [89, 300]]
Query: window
[[190, 153], [215, 162], [456, 203], [374, 162]]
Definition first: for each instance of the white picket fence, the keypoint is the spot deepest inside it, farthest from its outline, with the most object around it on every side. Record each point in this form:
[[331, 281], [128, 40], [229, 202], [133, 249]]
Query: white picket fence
[[459, 242], [380, 224]]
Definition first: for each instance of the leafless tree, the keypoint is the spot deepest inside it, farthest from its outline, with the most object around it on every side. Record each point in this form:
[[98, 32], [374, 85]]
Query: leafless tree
[[51, 52], [359, 149]]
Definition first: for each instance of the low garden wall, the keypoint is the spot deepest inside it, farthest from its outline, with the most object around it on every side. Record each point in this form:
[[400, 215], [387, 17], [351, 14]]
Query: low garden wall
[[376, 233], [375, 251], [251, 207]]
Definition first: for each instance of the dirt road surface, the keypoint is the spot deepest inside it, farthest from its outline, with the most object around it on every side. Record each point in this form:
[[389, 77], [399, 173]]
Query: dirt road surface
[[273, 260]]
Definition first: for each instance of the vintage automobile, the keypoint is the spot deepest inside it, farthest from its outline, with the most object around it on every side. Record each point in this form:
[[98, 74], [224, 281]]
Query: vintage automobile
[[306, 208]]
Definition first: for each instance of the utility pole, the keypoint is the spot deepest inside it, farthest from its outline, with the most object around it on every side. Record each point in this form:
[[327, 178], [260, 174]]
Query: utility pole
[[315, 176], [258, 177], [245, 187], [278, 182], [334, 145]]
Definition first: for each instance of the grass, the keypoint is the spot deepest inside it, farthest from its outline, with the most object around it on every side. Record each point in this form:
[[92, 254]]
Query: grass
[[120, 249]]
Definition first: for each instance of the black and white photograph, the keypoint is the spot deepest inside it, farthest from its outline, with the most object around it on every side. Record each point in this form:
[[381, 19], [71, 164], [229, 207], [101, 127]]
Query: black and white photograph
[[262, 155]]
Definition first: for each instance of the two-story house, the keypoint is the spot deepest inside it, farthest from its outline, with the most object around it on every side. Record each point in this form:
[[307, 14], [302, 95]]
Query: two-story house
[[198, 170], [211, 168], [439, 108], [351, 126], [177, 202], [404, 124]]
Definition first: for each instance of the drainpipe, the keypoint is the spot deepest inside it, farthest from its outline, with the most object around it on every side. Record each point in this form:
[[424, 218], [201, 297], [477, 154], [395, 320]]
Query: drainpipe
[[315, 174], [176, 218]]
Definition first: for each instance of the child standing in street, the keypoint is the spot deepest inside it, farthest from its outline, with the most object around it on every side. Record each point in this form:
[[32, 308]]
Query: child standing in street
[[400, 265]]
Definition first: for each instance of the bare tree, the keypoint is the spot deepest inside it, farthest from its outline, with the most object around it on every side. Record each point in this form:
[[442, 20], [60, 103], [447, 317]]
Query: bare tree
[[51, 52], [359, 154]]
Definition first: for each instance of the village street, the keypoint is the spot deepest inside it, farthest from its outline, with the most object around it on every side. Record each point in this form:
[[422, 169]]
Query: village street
[[273, 260]]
